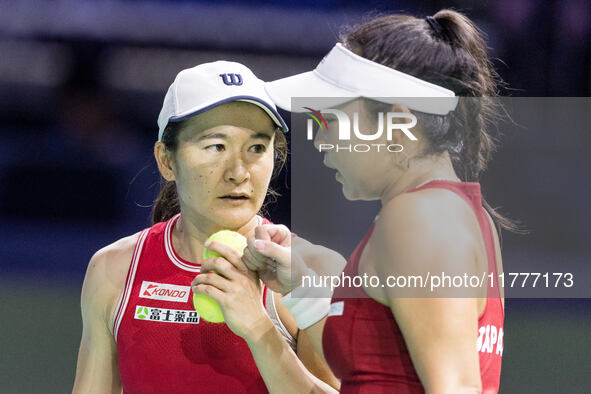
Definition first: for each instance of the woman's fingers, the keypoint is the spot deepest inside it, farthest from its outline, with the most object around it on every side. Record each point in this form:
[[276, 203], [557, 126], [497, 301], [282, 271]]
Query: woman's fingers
[[263, 232], [273, 251], [211, 279], [271, 244], [251, 258], [221, 266], [230, 254], [277, 233], [239, 294], [268, 248], [210, 291]]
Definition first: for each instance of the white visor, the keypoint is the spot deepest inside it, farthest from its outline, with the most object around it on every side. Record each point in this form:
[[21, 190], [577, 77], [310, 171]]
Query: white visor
[[343, 76]]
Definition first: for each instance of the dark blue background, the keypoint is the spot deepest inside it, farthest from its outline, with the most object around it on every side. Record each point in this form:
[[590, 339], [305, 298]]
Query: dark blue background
[[81, 84]]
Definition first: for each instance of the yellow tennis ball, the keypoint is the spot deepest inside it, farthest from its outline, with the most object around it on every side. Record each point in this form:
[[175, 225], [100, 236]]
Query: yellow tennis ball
[[208, 309], [232, 238]]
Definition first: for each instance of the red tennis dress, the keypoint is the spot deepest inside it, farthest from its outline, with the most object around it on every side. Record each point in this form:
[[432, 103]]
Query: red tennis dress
[[162, 344], [364, 346]]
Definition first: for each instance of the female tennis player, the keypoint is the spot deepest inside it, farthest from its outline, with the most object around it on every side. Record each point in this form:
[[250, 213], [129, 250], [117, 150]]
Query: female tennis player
[[433, 218], [219, 137]]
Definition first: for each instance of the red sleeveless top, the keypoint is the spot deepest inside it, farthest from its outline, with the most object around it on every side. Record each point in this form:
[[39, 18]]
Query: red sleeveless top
[[364, 346], [162, 344]]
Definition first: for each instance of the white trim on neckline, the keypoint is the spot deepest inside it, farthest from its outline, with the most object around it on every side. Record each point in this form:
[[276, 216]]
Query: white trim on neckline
[[170, 252]]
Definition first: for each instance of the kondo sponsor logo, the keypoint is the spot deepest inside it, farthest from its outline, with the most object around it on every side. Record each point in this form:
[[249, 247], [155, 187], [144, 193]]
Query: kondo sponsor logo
[[164, 291]]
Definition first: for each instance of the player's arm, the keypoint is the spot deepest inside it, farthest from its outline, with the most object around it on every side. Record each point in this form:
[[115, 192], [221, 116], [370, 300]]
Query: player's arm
[[237, 290], [294, 258], [309, 350], [324, 262], [97, 369], [418, 236], [285, 371], [306, 351]]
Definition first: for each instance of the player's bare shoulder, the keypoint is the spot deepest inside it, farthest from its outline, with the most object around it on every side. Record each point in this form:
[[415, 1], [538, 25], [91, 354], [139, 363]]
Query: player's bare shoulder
[[105, 277], [113, 260], [434, 210], [417, 230]]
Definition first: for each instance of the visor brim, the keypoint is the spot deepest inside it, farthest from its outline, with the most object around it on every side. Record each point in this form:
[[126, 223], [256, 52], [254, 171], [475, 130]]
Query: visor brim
[[306, 85]]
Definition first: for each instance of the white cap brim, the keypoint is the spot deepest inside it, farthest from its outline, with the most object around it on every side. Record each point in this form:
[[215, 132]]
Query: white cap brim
[[269, 110]]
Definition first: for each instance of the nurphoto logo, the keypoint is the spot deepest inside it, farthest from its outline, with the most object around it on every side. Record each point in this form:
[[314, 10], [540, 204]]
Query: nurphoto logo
[[390, 119]]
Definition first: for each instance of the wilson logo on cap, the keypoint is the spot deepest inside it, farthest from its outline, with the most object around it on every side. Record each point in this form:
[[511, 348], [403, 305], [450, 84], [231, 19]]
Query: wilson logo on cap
[[231, 79]]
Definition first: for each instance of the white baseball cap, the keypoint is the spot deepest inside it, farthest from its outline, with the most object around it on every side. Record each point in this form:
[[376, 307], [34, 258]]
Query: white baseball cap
[[203, 87], [343, 76]]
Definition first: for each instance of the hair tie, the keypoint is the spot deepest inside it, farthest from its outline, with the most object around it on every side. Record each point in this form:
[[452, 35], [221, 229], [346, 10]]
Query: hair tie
[[436, 26]]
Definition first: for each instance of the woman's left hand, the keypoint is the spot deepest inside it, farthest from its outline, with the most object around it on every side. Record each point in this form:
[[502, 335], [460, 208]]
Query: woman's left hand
[[234, 287]]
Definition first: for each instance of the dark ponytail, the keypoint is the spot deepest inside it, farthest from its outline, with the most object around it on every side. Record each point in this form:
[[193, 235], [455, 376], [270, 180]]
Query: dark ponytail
[[478, 108], [447, 50], [167, 203]]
